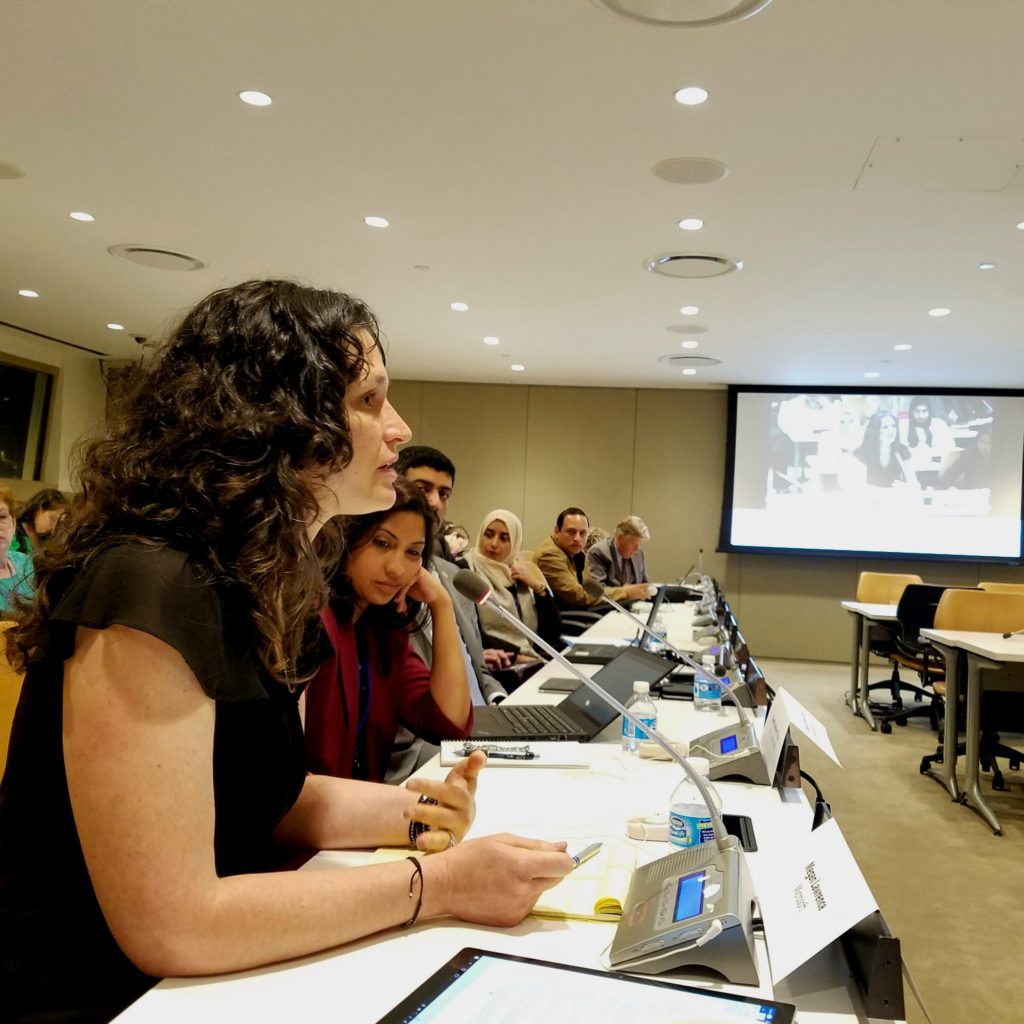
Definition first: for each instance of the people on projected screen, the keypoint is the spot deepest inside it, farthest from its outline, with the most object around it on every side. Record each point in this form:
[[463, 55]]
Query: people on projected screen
[[886, 459], [969, 468], [927, 436]]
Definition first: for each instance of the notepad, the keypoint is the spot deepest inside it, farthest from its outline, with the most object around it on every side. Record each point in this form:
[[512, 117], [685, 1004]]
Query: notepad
[[562, 754], [595, 891]]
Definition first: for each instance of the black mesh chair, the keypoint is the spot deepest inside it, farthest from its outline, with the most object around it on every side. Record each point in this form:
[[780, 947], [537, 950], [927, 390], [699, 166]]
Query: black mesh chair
[[914, 612]]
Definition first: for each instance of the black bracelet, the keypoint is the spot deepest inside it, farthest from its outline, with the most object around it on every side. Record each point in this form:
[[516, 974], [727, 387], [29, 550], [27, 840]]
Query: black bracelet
[[417, 828], [417, 873]]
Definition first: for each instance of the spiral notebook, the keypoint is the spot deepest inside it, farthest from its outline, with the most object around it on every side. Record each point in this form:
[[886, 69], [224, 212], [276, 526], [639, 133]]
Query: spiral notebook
[[595, 891]]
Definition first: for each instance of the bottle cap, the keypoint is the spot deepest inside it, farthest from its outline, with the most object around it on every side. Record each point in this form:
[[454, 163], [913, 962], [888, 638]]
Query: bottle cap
[[701, 765], [641, 686]]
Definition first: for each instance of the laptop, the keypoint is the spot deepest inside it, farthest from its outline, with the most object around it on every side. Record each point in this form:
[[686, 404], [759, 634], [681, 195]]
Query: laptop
[[584, 653], [582, 715]]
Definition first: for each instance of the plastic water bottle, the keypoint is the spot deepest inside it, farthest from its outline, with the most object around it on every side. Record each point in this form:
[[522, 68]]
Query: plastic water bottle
[[656, 643], [643, 708], [707, 690], [689, 822]]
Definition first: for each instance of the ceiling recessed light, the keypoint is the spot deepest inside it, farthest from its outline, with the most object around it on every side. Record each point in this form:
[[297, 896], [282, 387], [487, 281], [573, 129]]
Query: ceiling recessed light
[[871, 373], [689, 310], [691, 223], [81, 215], [691, 95], [517, 367], [460, 307], [939, 311], [986, 266], [115, 327], [902, 348], [1021, 225], [254, 98], [689, 372], [27, 293], [689, 343], [377, 222], [492, 340]]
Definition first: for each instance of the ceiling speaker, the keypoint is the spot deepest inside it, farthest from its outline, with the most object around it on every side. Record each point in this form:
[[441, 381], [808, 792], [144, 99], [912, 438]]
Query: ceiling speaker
[[691, 362], [690, 170], [690, 264], [158, 259], [684, 13]]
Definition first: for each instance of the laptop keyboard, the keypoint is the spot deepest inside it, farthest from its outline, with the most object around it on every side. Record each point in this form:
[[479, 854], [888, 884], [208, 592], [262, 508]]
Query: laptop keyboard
[[534, 719]]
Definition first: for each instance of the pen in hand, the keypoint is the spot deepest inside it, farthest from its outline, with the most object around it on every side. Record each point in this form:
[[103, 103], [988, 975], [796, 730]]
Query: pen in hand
[[585, 854]]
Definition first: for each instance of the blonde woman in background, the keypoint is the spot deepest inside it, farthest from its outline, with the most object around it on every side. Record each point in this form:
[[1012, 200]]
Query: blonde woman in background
[[518, 586]]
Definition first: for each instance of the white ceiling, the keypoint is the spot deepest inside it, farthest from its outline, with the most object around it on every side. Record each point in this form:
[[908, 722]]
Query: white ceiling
[[510, 143]]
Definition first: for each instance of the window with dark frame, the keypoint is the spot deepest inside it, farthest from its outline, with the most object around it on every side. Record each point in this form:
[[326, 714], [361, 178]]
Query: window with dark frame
[[25, 396]]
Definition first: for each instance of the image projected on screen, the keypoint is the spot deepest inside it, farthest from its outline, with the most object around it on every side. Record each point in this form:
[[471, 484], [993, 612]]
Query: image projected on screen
[[932, 474]]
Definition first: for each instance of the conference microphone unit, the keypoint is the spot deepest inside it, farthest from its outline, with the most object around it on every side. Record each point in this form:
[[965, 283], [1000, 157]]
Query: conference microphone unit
[[1016, 632], [733, 751], [692, 908]]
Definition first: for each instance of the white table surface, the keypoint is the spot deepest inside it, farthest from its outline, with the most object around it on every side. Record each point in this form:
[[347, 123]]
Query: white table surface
[[988, 645], [360, 982]]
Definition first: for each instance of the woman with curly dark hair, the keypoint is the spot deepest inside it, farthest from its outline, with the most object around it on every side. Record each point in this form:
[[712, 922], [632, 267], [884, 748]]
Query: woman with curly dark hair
[[38, 518], [373, 681], [156, 759]]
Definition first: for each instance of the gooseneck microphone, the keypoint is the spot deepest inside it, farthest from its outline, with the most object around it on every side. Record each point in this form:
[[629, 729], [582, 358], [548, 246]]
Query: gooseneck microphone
[[661, 929], [731, 751], [1016, 632], [595, 590], [478, 590]]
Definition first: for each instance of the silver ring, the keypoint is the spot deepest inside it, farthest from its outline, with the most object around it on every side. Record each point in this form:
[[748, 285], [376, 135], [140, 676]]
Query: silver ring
[[451, 839]]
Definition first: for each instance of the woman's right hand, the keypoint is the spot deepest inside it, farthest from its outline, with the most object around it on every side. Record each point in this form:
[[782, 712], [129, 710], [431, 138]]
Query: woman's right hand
[[496, 880]]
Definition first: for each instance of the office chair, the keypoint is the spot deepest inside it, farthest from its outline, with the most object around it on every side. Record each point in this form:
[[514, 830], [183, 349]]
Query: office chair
[[1002, 588], [10, 690], [984, 612], [915, 611], [884, 588], [576, 621]]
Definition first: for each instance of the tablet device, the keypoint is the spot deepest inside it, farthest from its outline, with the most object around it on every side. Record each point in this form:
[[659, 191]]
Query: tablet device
[[477, 984], [560, 684]]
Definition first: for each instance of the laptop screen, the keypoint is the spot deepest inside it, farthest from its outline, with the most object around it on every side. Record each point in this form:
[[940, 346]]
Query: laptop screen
[[617, 677], [656, 606]]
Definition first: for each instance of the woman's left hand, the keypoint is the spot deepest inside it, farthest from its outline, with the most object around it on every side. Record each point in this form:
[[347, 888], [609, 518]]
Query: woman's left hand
[[449, 819]]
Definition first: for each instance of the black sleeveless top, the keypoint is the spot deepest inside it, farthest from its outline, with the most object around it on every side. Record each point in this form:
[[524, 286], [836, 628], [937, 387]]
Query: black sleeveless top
[[58, 960]]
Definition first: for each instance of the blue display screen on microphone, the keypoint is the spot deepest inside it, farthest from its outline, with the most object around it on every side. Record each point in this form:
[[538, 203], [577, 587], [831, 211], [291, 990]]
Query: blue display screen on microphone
[[729, 744], [689, 897]]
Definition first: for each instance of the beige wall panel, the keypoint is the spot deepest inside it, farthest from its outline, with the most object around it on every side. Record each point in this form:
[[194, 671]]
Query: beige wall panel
[[482, 429], [579, 451], [407, 397], [790, 607], [677, 479]]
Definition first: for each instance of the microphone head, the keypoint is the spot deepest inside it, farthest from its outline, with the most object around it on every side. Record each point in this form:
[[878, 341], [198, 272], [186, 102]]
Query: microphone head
[[470, 585], [593, 589]]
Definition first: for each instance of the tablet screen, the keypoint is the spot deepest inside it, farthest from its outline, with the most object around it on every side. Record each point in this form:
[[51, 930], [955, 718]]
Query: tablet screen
[[481, 987]]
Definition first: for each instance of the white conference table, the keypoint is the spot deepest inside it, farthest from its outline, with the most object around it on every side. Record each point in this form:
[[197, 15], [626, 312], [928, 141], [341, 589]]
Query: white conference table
[[865, 615], [360, 982], [993, 663]]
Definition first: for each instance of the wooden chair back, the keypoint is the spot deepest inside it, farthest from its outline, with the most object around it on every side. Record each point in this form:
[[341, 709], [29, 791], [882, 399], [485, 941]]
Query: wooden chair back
[[883, 587], [1002, 588], [10, 690], [980, 611]]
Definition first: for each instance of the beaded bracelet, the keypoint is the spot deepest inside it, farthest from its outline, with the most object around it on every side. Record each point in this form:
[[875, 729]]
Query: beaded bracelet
[[417, 873], [417, 828]]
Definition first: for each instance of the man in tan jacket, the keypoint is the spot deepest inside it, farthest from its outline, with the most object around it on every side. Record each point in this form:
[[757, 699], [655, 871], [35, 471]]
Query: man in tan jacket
[[562, 560]]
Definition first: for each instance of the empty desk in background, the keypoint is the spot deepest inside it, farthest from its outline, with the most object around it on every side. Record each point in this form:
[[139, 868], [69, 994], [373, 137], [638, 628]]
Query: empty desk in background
[[864, 616], [1002, 662]]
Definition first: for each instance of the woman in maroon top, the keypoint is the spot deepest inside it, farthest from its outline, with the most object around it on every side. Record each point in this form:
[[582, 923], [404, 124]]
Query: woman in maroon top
[[372, 682]]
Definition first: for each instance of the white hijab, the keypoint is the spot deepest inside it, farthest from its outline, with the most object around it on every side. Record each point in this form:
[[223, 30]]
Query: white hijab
[[499, 575]]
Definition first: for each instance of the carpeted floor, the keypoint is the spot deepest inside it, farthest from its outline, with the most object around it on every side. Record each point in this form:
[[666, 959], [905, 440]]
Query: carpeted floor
[[950, 890]]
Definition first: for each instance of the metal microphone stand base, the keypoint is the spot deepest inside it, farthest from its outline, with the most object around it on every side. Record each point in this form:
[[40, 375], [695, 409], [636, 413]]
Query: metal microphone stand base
[[674, 901], [743, 761]]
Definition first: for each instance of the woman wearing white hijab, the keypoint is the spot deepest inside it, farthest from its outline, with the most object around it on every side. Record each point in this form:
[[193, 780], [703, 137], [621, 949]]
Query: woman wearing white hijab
[[517, 584]]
